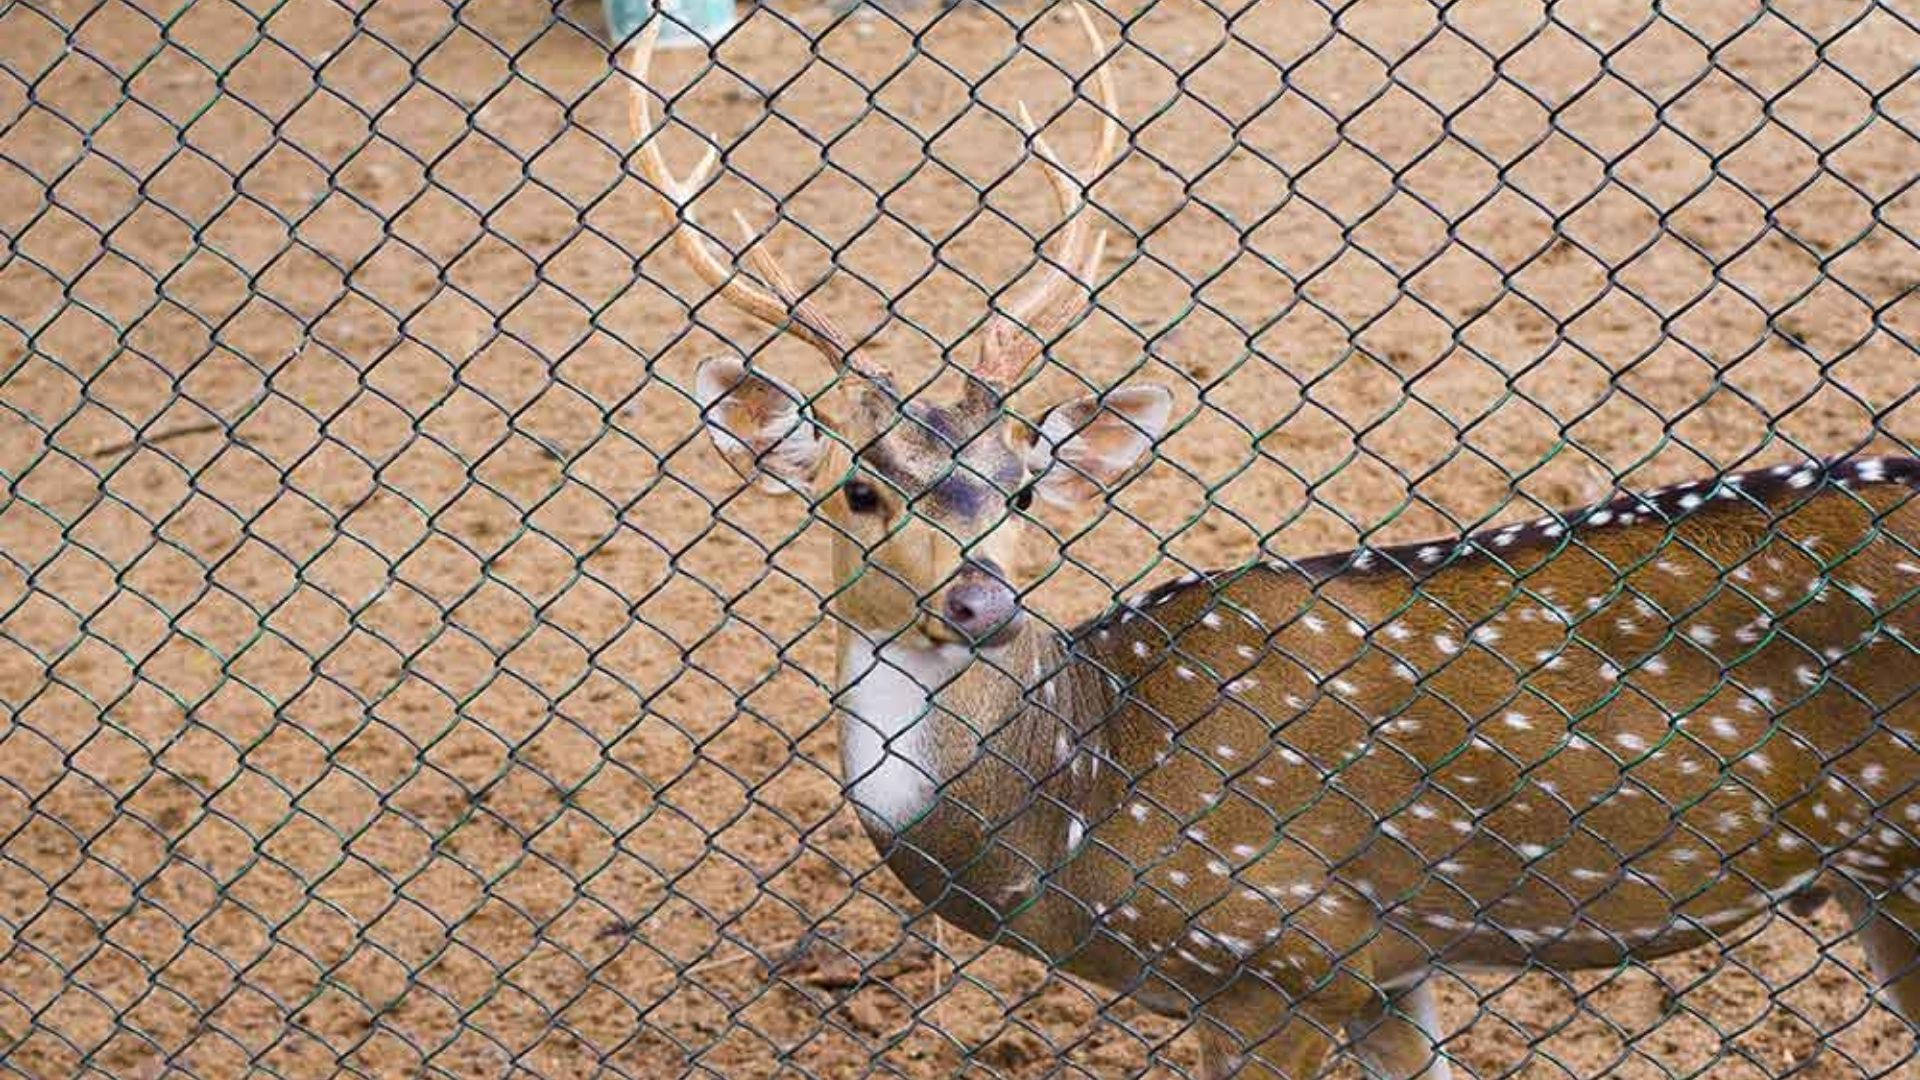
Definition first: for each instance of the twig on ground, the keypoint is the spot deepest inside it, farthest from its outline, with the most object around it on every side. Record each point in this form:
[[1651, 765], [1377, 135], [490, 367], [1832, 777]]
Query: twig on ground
[[705, 967], [940, 975], [201, 427]]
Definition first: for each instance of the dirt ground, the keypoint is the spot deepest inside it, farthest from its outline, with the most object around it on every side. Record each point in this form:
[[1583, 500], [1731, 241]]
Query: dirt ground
[[395, 684]]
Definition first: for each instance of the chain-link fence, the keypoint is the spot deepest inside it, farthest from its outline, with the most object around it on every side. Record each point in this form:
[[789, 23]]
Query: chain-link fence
[[397, 680]]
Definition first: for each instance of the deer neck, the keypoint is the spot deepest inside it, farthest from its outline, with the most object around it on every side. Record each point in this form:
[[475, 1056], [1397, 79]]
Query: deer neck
[[974, 772]]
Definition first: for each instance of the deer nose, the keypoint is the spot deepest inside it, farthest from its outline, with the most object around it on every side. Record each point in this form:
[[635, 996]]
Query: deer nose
[[981, 605]]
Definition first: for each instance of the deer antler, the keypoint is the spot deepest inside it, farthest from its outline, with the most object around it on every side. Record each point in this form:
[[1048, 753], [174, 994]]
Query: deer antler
[[1014, 338], [773, 299]]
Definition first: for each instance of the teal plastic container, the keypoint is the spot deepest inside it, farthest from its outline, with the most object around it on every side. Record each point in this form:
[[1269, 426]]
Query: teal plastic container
[[689, 23]]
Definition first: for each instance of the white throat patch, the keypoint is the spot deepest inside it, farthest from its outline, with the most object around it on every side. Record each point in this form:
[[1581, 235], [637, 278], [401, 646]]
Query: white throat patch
[[886, 747]]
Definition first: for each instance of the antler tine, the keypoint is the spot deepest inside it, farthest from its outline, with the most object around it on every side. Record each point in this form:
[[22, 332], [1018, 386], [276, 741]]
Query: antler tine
[[1013, 340], [768, 269], [778, 303]]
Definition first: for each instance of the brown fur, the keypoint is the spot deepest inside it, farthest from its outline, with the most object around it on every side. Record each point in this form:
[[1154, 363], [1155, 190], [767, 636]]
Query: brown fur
[[1548, 750], [1275, 798]]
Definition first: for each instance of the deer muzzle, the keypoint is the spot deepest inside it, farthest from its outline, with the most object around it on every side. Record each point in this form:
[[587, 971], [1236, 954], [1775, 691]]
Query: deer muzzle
[[979, 606]]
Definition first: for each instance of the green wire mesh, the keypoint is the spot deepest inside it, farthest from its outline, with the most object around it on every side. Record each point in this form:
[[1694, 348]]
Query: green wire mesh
[[395, 682]]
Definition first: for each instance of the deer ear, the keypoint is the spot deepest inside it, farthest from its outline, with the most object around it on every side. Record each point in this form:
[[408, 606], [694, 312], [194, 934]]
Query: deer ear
[[759, 426], [1087, 446]]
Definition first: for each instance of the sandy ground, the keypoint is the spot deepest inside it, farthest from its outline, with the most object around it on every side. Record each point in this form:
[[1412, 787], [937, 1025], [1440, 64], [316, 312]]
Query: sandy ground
[[394, 683]]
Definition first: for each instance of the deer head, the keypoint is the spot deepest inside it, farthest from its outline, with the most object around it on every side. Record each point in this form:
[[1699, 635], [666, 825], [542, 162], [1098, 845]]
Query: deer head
[[929, 500]]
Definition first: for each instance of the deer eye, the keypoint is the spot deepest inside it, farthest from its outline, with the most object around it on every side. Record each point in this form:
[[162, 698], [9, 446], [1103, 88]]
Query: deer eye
[[862, 498], [1023, 499]]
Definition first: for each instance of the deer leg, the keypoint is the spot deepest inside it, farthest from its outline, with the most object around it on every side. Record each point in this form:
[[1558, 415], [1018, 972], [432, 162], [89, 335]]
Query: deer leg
[[1889, 930], [1258, 1032], [1401, 1041], [1246, 1043]]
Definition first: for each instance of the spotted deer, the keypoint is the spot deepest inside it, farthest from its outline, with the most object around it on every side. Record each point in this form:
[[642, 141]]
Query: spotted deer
[[1276, 799]]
